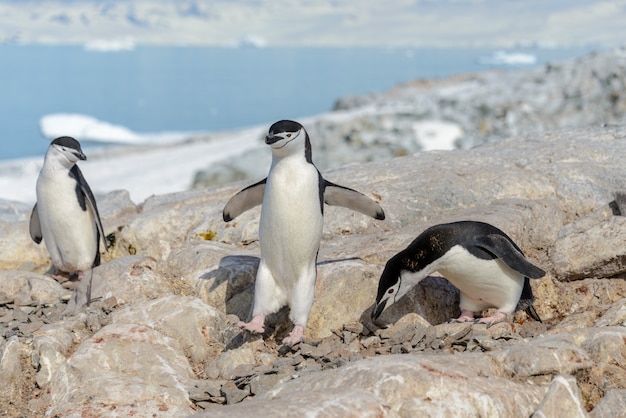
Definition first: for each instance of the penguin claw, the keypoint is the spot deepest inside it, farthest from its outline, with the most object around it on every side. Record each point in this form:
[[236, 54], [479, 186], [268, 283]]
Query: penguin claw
[[295, 336], [493, 319], [256, 325]]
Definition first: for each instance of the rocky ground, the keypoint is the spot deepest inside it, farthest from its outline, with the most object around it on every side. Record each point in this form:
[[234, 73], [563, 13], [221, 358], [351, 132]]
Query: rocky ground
[[161, 340]]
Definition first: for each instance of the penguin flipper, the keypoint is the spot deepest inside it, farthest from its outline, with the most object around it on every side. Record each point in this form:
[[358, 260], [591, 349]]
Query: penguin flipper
[[244, 200], [337, 195], [35, 226], [87, 201], [504, 249]]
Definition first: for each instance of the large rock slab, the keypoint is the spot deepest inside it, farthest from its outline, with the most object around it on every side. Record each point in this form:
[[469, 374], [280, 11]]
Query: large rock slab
[[418, 385], [126, 370], [321, 403], [591, 251], [202, 330]]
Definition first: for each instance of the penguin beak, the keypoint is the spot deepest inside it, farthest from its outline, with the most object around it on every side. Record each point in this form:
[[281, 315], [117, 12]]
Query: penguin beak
[[80, 155], [378, 310], [270, 139]]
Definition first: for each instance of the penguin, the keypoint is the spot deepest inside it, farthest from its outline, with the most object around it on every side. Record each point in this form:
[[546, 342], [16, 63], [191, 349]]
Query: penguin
[[290, 229], [65, 215], [487, 267]]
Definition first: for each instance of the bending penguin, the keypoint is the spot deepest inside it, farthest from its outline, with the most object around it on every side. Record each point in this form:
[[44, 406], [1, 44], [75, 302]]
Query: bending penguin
[[66, 216], [292, 197], [487, 267]]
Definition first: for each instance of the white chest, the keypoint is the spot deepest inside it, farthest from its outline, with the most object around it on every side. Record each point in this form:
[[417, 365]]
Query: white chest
[[56, 190], [69, 232], [291, 215], [292, 195]]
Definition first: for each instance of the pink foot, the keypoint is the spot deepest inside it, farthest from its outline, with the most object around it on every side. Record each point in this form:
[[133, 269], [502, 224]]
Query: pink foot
[[466, 316], [256, 325], [493, 319], [295, 336]]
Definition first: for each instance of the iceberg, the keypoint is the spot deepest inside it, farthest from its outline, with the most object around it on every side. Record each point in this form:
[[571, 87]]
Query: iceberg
[[143, 171], [509, 58], [89, 129]]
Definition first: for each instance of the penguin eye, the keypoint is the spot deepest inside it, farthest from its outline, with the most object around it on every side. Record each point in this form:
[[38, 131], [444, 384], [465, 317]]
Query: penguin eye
[[288, 135], [390, 291]]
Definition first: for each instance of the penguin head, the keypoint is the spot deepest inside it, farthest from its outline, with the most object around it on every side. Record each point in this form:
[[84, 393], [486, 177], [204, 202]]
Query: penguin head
[[397, 279], [67, 150], [287, 137]]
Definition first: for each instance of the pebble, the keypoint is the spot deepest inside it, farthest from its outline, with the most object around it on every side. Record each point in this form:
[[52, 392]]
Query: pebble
[[232, 394]]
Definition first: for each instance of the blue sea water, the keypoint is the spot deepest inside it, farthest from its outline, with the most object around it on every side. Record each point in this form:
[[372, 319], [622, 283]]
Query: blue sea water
[[204, 89]]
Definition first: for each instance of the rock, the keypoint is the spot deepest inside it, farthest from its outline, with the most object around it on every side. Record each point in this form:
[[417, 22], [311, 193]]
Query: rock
[[404, 330], [615, 315], [116, 210], [95, 378], [422, 385], [562, 399], [553, 354], [581, 296], [24, 288], [337, 402], [233, 394], [129, 279], [52, 343], [577, 320], [10, 370], [263, 383], [605, 346], [592, 252], [199, 328], [17, 250], [345, 285], [228, 362], [158, 229], [612, 405], [223, 279]]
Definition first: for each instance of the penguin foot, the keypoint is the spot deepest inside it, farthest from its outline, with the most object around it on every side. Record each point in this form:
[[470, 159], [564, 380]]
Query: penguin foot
[[295, 336], [256, 325], [466, 316], [493, 319]]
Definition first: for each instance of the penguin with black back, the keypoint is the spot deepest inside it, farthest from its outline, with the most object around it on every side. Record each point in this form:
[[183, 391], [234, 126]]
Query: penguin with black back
[[292, 198], [487, 267], [66, 216]]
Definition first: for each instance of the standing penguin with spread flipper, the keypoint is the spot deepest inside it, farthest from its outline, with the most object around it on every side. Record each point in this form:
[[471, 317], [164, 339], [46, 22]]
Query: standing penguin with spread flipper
[[487, 267], [290, 230], [66, 216]]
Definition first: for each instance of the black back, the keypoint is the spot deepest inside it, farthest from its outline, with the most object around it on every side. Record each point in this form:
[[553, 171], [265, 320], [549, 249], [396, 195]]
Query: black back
[[85, 196], [433, 243]]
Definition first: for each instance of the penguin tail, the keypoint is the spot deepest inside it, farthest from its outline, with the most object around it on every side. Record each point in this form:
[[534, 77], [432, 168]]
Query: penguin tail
[[620, 203], [530, 310]]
